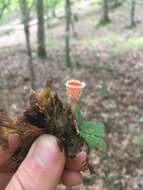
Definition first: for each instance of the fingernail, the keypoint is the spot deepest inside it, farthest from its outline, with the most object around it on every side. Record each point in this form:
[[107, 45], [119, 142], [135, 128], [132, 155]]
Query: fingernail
[[46, 151]]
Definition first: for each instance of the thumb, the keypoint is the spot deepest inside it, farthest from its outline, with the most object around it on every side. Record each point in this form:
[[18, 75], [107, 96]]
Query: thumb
[[42, 168]]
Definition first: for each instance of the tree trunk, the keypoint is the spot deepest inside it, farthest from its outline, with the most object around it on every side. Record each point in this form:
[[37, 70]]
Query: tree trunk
[[73, 28], [132, 13], [25, 20], [74, 19], [41, 51], [67, 32], [105, 15]]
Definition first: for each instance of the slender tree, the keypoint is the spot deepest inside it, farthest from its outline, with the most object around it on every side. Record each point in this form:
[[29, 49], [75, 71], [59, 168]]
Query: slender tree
[[74, 19], [105, 12], [132, 13], [67, 32], [25, 20], [73, 27], [41, 51]]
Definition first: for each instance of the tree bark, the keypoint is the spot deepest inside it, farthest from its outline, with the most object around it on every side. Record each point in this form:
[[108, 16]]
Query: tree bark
[[41, 51], [132, 13], [73, 28], [67, 33], [105, 15], [25, 20]]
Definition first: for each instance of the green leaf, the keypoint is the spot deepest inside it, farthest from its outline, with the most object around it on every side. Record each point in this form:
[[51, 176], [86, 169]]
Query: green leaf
[[96, 128], [93, 133], [140, 141], [94, 141]]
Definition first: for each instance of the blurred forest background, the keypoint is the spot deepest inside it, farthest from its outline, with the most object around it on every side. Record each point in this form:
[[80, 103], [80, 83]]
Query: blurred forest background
[[96, 41]]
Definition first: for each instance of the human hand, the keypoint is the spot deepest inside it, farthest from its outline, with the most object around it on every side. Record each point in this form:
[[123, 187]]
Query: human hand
[[44, 167]]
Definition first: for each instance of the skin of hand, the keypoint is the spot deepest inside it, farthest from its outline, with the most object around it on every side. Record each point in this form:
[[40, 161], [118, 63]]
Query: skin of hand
[[44, 167]]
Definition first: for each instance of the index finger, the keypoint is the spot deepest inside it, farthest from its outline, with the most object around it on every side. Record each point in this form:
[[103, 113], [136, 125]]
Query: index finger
[[79, 163]]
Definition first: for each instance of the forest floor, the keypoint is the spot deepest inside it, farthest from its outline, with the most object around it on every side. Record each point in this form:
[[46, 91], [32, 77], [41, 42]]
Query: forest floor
[[110, 60]]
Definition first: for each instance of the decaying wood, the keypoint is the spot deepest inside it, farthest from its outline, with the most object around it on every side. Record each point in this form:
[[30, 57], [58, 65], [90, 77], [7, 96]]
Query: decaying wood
[[45, 114]]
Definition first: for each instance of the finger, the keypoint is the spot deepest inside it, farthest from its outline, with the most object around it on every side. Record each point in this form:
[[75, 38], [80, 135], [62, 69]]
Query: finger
[[4, 180], [71, 178], [42, 168], [79, 163], [13, 143]]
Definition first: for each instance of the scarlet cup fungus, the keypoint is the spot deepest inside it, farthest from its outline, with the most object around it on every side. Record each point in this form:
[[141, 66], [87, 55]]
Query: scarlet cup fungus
[[74, 90]]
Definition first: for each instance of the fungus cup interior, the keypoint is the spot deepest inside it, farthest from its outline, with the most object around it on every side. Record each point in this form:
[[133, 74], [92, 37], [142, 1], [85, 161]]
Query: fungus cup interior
[[75, 84]]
